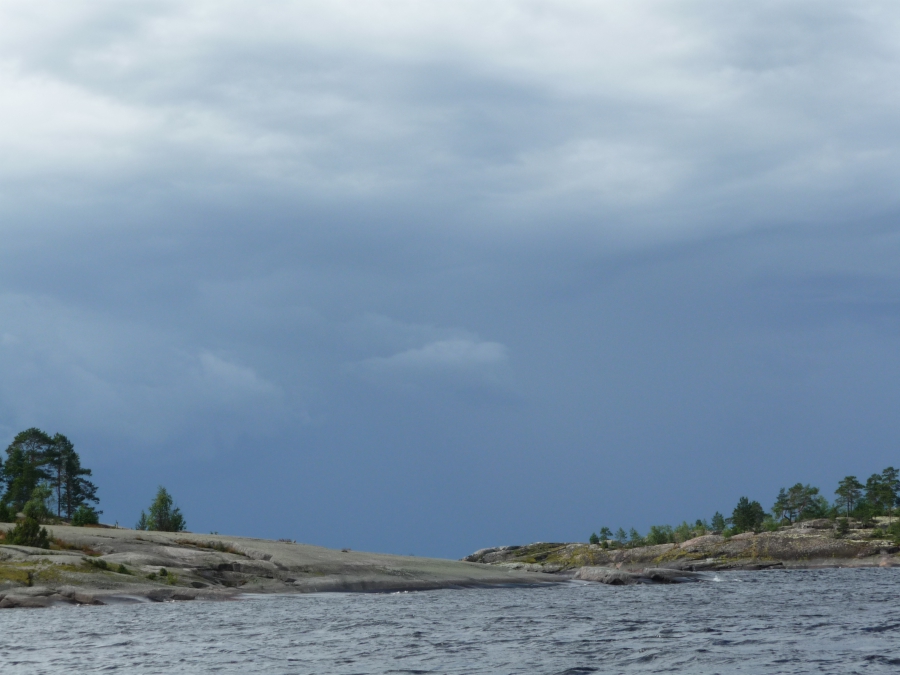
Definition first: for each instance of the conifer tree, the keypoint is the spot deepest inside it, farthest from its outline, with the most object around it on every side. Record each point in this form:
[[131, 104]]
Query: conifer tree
[[25, 466], [849, 490], [718, 522], [164, 516], [747, 516]]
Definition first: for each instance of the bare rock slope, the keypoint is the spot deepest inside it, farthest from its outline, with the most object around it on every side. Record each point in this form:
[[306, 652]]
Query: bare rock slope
[[102, 565]]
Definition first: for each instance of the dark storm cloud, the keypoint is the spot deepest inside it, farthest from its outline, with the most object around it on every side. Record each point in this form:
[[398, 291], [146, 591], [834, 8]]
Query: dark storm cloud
[[388, 268]]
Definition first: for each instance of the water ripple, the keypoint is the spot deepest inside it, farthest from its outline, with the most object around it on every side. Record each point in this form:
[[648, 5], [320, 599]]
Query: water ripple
[[834, 621]]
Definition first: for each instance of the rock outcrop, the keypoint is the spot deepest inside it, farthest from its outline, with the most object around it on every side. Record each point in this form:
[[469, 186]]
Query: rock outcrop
[[88, 565], [804, 545], [649, 575]]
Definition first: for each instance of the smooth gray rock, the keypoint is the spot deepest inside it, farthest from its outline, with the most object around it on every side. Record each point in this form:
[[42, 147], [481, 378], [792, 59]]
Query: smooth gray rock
[[650, 575], [216, 567]]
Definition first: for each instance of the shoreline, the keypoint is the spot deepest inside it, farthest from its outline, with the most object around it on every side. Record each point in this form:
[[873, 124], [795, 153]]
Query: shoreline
[[99, 565], [806, 545]]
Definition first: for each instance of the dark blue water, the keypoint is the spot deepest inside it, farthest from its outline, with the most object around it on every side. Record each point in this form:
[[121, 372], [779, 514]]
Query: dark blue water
[[829, 621]]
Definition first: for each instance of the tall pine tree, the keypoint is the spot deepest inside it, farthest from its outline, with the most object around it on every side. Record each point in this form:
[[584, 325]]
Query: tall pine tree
[[25, 466]]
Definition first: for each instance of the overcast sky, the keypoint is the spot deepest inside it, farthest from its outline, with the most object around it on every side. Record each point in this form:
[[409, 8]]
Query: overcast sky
[[424, 277]]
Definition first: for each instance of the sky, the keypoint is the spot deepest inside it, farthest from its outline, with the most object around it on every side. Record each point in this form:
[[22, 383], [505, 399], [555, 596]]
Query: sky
[[427, 277]]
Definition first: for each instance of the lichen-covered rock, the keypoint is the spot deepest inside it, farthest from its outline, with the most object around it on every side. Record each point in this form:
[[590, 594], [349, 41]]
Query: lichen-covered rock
[[705, 542], [790, 546], [817, 524]]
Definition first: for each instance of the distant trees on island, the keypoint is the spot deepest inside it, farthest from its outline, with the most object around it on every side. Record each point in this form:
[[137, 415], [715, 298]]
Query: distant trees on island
[[43, 481], [164, 515], [878, 497], [46, 468]]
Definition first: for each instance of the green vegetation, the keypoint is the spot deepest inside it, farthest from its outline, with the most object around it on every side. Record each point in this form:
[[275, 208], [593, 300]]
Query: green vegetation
[[878, 497], [164, 516], [43, 481], [28, 533], [37, 461], [85, 515], [97, 562]]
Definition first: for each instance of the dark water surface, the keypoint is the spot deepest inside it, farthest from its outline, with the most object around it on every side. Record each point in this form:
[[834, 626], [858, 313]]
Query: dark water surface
[[824, 621]]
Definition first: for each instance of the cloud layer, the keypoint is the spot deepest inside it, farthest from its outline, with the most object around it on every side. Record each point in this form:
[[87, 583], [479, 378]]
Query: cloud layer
[[389, 269]]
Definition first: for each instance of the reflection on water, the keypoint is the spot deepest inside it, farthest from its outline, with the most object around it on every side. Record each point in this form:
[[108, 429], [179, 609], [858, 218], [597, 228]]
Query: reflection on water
[[824, 621]]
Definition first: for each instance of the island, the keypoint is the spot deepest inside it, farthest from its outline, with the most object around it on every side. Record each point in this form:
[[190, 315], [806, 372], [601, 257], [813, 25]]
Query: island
[[807, 544], [54, 550], [95, 565]]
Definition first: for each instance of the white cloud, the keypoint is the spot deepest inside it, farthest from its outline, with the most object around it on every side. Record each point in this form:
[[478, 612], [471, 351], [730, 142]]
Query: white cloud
[[656, 116], [458, 360], [445, 355]]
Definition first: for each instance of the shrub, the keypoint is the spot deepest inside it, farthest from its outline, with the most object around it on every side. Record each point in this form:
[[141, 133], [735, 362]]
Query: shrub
[[769, 524], [594, 539], [843, 527], [122, 569], [6, 514], [894, 531], [163, 572], [36, 507], [29, 533], [85, 515]]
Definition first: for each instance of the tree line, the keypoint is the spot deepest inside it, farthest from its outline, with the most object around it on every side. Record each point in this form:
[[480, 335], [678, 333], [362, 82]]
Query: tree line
[[43, 481], [879, 496]]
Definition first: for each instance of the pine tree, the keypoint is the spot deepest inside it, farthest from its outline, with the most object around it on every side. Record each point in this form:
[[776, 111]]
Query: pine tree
[[747, 516], [77, 490], [25, 466], [849, 490], [718, 522], [164, 516]]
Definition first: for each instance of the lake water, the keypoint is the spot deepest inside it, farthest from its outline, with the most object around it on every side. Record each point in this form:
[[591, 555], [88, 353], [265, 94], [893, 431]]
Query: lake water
[[825, 621]]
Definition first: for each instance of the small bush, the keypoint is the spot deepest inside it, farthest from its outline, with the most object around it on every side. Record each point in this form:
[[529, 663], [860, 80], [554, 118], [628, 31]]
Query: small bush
[[98, 563], [152, 576], [843, 527], [877, 533], [163, 572], [36, 507], [122, 569], [29, 533], [769, 524], [85, 515]]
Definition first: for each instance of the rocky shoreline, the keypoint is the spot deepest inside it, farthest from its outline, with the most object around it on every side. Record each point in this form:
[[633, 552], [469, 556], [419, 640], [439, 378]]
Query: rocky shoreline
[[100, 565], [805, 545]]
